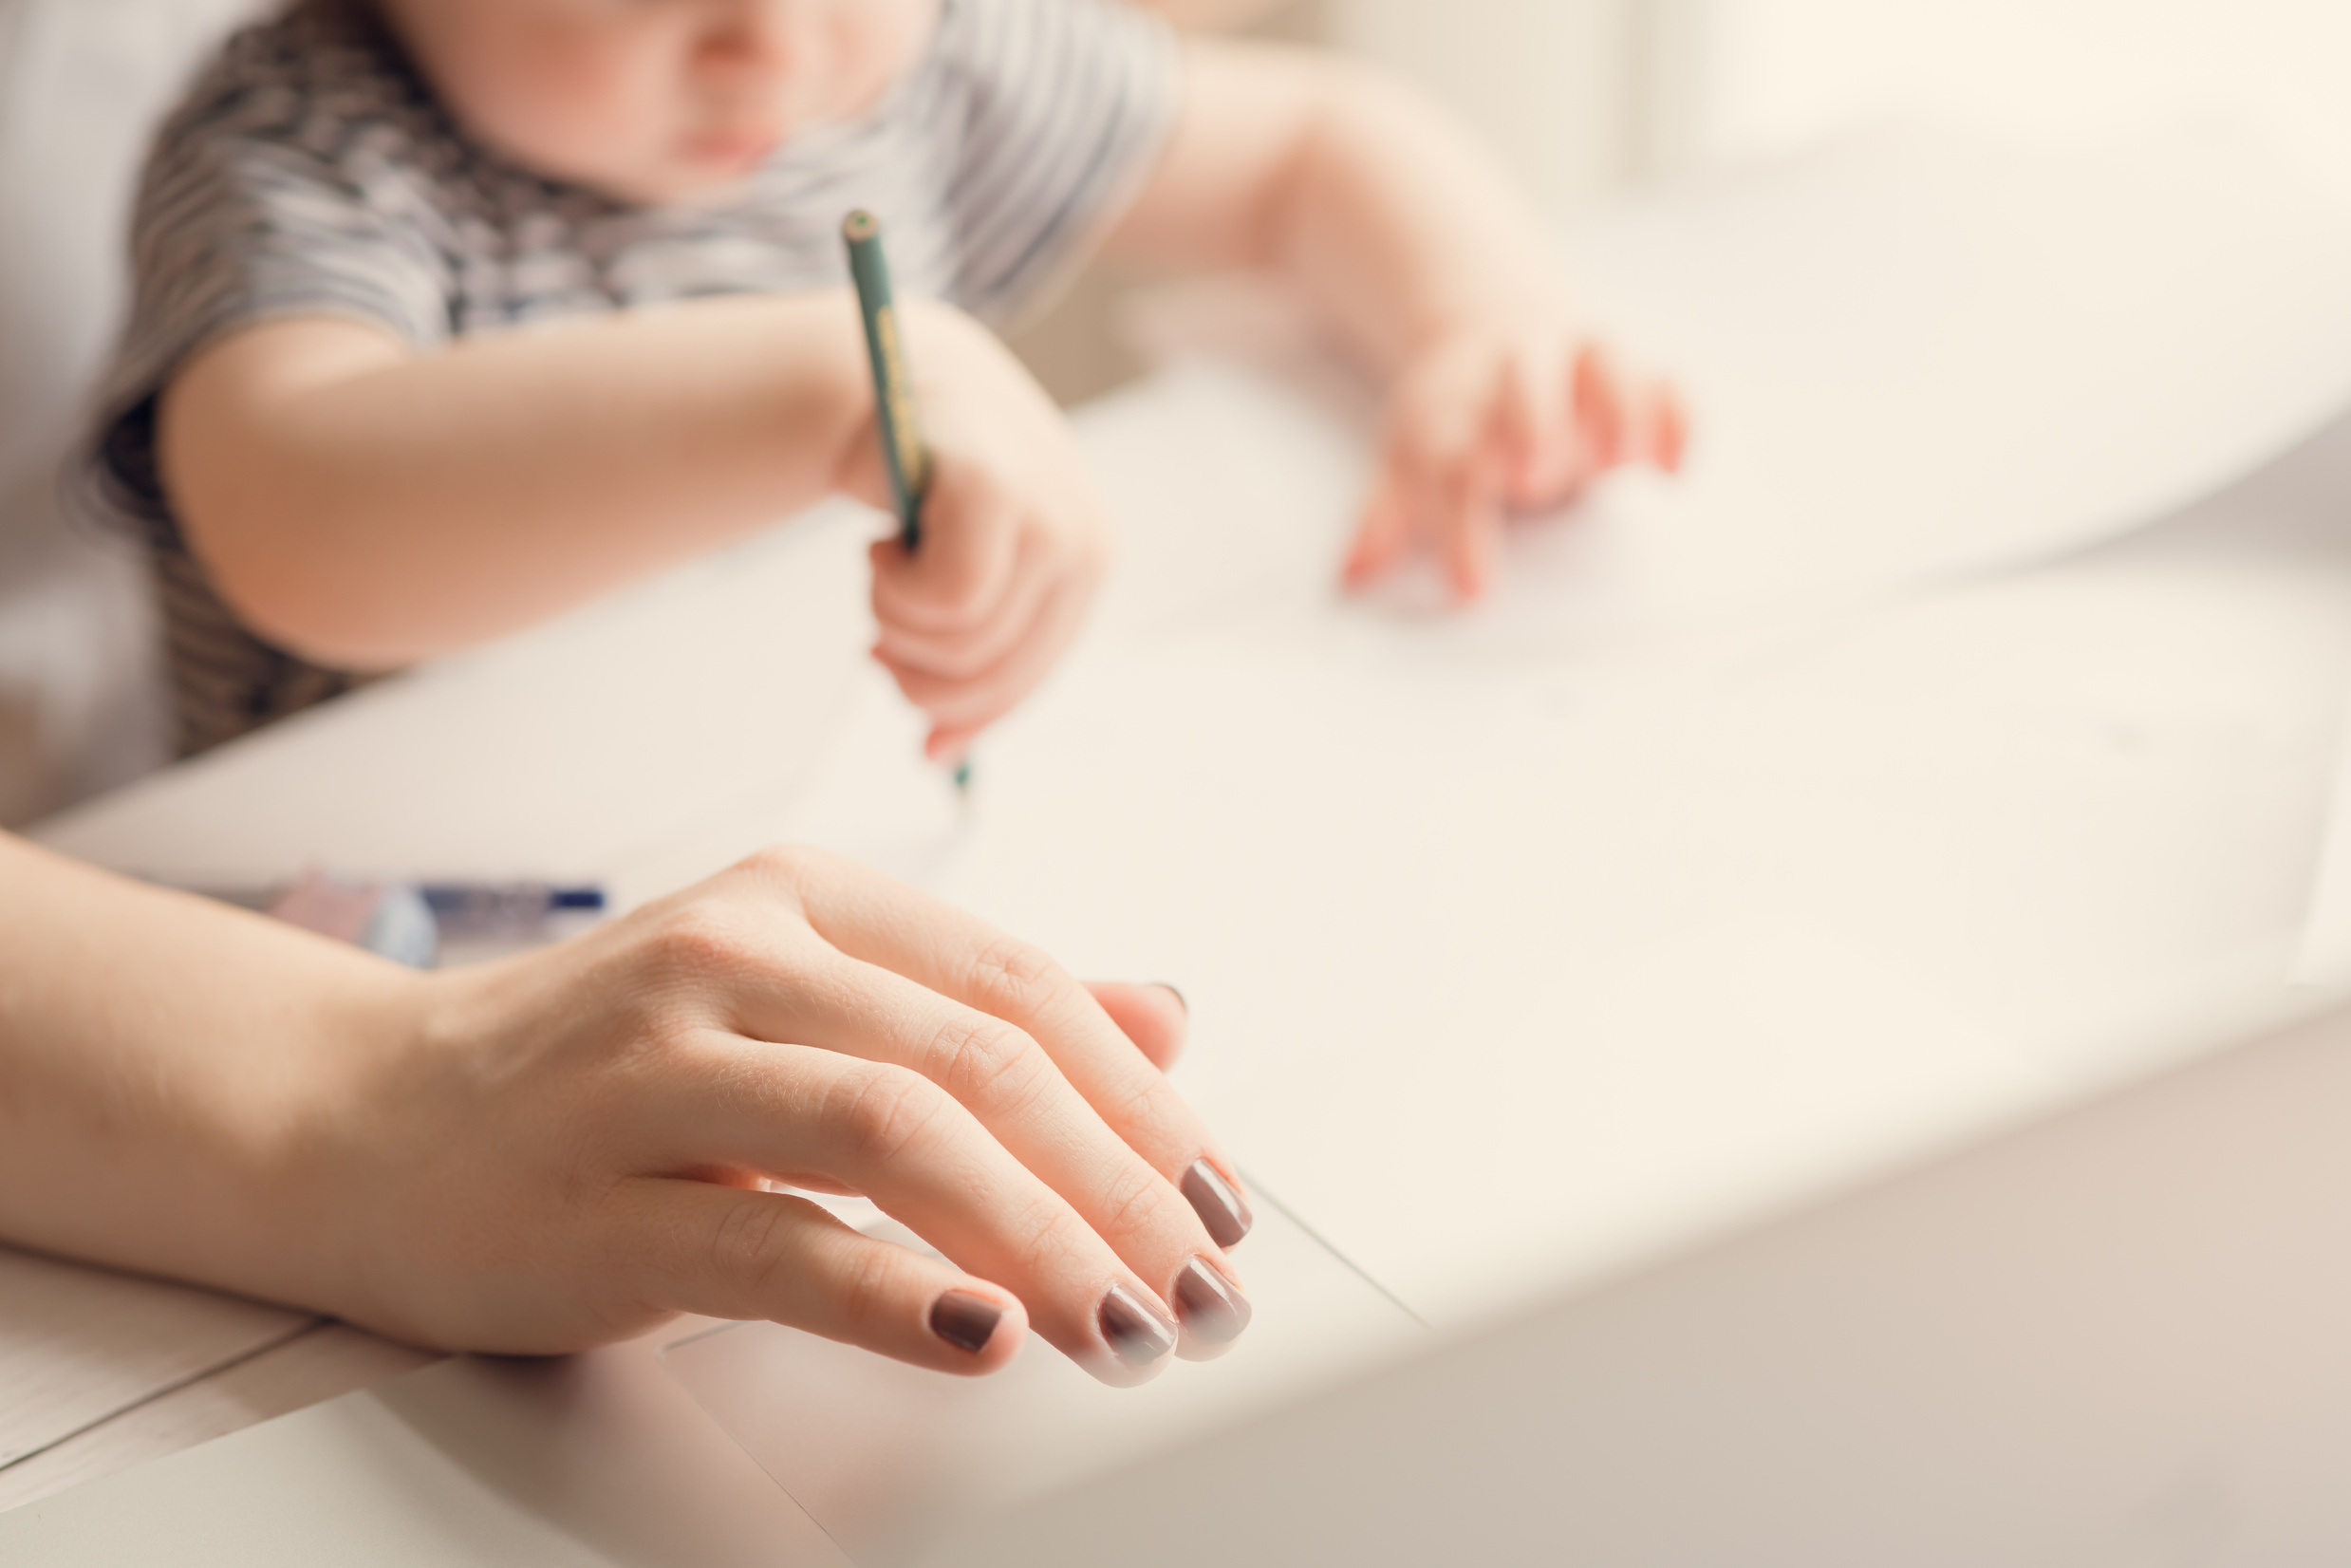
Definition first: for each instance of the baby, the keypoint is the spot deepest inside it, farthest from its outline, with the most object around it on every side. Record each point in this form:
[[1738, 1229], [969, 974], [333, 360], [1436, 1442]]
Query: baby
[[450, 314]]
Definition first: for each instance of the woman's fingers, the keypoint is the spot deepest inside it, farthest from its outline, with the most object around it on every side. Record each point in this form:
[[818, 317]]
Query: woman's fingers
[[728, 1252], [1019, 1094], [944, 950], [962, 957], [969, 1085], [894, 1134], [1155, 1018]]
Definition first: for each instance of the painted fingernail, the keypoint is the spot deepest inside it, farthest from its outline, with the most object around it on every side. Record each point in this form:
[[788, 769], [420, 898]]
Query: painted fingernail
[[1137, 1333], [1209, 1304], [1179, 996], [1218, 1206], [964, 1321]]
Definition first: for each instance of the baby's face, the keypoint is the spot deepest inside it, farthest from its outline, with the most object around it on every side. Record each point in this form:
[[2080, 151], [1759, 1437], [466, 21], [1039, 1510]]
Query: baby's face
[[656, 99]]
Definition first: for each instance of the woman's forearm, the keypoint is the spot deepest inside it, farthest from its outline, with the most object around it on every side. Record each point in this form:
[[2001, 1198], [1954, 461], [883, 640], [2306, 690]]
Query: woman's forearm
[[156, 1053], [368, 506]]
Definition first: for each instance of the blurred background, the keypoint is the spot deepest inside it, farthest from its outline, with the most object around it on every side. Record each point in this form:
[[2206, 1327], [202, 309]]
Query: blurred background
[[1588, 99], [1591, 99]]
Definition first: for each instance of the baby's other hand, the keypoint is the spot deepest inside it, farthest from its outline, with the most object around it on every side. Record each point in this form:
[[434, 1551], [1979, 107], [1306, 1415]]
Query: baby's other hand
[[1013, 539], [1500, 416]]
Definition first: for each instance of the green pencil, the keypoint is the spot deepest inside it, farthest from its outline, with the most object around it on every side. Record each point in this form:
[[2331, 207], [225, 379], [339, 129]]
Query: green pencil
[[893, 399], [903, 451]]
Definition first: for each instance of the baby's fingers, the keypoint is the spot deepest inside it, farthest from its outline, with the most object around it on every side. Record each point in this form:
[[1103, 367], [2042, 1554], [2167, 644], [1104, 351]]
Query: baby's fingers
[[957, 956], [1469, 513], [1454, 501], [957, 580], [1601, 404], [1629, 419], [967, 653], [1665, 428], [1544, 458], [747, 1254], [1442, 462], [1385, 531], [965, 704]]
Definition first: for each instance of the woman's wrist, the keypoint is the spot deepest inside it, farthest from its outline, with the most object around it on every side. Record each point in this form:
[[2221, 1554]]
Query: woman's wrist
[[170, 1072], [289, 1131]]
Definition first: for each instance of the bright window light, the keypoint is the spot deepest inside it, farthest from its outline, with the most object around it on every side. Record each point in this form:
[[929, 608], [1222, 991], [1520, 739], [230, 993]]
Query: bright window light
[[1780, 73]]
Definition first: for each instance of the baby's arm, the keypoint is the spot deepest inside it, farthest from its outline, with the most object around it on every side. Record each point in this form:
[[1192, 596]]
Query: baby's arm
[[368, 506], [1434, 269]]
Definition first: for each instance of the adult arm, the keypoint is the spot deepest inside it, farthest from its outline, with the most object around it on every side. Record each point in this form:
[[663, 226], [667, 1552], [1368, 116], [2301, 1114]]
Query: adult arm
[[560, 1151]]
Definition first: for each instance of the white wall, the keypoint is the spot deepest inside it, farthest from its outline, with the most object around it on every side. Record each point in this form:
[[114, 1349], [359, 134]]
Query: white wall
[[1559, 86], [1778, 73], [1583, 95]]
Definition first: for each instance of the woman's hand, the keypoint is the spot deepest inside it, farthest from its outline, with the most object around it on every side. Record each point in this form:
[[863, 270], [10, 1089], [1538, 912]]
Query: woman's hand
[[1508, 415], [576, 1143], [1014, 542]]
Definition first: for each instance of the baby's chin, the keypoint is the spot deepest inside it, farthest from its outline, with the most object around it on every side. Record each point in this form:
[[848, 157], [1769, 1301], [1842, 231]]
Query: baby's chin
[[693, 177], [670, 183]]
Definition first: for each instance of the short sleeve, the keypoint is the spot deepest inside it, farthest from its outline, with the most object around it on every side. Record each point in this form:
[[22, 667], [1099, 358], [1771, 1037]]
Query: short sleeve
[[259, 201], [1064, 107]]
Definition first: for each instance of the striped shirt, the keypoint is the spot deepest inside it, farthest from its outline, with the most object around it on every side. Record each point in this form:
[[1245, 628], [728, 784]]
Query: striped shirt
[[312, 172]]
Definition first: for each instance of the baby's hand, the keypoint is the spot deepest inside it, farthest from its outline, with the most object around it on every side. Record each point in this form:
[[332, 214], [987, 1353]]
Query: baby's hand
[[1507, 413], [1013, 538]]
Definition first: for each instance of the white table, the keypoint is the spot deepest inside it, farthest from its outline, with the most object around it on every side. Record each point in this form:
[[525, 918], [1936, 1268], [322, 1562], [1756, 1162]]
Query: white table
[[1718, 924]]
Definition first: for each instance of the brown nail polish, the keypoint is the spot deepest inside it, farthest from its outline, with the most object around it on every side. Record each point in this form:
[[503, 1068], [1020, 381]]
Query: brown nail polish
[[1137, 1333], [1218, 1206], [1209, 1303], [964, 1321]]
